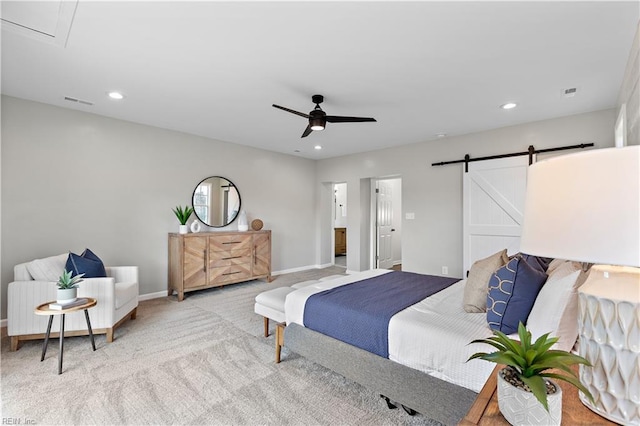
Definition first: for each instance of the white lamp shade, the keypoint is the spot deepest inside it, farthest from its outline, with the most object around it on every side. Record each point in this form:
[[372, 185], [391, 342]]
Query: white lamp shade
[[585, 207]]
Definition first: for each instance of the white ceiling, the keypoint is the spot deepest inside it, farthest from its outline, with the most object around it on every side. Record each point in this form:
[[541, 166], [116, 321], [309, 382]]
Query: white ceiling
[[420, 68]]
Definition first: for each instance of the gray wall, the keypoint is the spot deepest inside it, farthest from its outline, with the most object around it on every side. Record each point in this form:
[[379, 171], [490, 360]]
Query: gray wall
[[72, 180], [434, 194]]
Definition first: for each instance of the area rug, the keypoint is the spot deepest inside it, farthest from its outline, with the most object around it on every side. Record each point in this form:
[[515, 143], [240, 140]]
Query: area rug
[[203, 361]]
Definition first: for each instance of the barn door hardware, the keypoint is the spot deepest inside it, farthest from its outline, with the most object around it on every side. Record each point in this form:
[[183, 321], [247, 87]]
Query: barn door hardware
[[530, 152]]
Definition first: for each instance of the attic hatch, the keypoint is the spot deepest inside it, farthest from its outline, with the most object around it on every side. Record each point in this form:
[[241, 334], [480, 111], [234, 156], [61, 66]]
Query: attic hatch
[[46, 21]]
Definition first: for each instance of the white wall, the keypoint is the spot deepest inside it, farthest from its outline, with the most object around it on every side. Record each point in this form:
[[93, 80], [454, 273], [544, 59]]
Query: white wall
[[434, 194], [72, 180], [340, 206], [630, 92]]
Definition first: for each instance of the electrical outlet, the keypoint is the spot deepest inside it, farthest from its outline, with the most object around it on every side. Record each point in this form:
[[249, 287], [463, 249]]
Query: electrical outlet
[[445, 270], [410, 216]]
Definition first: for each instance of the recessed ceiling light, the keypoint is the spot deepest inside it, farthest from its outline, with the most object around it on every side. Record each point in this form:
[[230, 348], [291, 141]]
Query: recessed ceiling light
[[318, 147], [508, 105], [116, 95], [440, 135]]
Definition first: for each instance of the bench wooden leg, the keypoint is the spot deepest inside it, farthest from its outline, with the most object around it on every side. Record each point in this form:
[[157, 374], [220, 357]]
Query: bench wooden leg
[[266, 327], [134, 313], [279, 339]]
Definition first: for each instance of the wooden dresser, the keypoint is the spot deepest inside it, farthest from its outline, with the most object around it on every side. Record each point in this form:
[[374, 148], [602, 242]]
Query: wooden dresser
[[212, 259]]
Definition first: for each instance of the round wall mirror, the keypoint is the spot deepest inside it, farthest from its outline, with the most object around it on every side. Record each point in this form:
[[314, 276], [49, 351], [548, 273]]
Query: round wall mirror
[[216, 201]]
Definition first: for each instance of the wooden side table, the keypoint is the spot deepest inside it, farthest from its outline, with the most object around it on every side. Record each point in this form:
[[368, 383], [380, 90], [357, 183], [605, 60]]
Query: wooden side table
[[485, 410], [45, 309]]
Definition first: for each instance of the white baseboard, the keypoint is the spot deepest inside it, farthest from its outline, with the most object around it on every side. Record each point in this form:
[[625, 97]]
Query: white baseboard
[[159, 294], [301, 268], [149, 296]]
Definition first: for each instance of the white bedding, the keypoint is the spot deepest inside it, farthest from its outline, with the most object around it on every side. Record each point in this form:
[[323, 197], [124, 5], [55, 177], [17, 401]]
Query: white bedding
[[431, 336]]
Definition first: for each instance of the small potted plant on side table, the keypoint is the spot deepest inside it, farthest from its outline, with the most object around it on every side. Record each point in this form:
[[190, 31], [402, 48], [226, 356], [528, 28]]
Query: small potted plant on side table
[[68, 287], [183, 216], [526, 396]]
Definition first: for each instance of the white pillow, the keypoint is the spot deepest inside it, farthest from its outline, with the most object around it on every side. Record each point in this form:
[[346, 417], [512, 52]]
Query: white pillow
[[555, 310], [49, 268]]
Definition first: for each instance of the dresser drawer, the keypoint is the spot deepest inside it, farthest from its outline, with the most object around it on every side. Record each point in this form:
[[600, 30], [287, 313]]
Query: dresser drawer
[[229, 242], [215, 259], [230, 257], [225, 274]]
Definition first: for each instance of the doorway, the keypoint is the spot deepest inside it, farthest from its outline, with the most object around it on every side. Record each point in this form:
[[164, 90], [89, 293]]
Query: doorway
[[340, 224], [387, 226]]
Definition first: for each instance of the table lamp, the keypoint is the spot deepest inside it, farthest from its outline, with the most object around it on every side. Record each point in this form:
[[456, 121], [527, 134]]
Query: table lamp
[[586, 207]]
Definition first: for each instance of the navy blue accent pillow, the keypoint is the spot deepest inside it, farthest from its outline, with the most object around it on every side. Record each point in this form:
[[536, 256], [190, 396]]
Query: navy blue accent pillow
[[88, 263], [541, 263], [512, 292]]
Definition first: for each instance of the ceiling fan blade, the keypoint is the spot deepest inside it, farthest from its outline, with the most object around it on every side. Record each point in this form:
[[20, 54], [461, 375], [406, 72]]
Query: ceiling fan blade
[[340, 119], [307, 131], [301, 114]]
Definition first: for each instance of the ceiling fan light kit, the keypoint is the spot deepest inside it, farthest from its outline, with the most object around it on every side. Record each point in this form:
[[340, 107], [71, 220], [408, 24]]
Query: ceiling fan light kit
[[318, 119]]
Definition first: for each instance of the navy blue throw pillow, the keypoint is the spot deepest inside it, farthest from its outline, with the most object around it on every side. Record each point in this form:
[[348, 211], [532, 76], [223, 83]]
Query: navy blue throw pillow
[[540, 263], [512, 292], [88, 263]]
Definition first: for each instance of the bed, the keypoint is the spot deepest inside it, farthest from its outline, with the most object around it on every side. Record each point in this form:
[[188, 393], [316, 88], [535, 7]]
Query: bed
[[433, 379]]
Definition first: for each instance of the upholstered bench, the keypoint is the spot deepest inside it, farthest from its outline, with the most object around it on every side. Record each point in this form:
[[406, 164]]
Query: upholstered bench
[[270, 303]]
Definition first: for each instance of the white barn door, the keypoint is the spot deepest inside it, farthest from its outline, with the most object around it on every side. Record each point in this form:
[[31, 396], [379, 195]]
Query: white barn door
[[493, 203]]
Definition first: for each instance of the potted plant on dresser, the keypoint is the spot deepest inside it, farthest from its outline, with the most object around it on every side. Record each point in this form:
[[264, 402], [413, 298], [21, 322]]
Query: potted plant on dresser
[[526, 395], [68, 287], [183, 216]]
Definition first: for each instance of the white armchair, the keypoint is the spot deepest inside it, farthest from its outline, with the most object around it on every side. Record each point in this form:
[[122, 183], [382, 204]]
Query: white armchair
[[117, 297]]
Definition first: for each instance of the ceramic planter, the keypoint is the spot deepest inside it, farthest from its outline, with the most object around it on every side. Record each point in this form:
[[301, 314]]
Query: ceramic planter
[[243, 225], [520, 407], [184, 229], [66, 295]]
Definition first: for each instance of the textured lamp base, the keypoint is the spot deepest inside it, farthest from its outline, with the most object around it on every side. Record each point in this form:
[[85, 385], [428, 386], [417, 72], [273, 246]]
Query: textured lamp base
[[609, 329]]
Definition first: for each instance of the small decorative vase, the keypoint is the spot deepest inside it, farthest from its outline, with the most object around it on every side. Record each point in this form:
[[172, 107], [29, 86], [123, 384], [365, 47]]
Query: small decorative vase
[[243, 225], [520, 407], [184, 229], [66, 295], [195, 227]]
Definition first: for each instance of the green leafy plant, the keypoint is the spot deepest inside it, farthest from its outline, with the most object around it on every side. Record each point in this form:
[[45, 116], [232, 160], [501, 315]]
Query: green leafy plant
[[530, 361], [183, 214], [67, 280]]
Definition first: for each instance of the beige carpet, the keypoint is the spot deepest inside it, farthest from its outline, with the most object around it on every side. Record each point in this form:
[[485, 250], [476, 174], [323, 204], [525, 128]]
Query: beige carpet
[[200, 361]]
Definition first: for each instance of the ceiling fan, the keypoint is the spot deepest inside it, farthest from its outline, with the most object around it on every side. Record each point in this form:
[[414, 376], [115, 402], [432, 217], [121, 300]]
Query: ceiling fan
[[318, 119]]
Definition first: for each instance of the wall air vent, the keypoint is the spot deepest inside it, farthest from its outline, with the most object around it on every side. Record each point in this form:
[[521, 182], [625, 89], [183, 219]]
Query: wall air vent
[[80, 101], [569, 93]]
